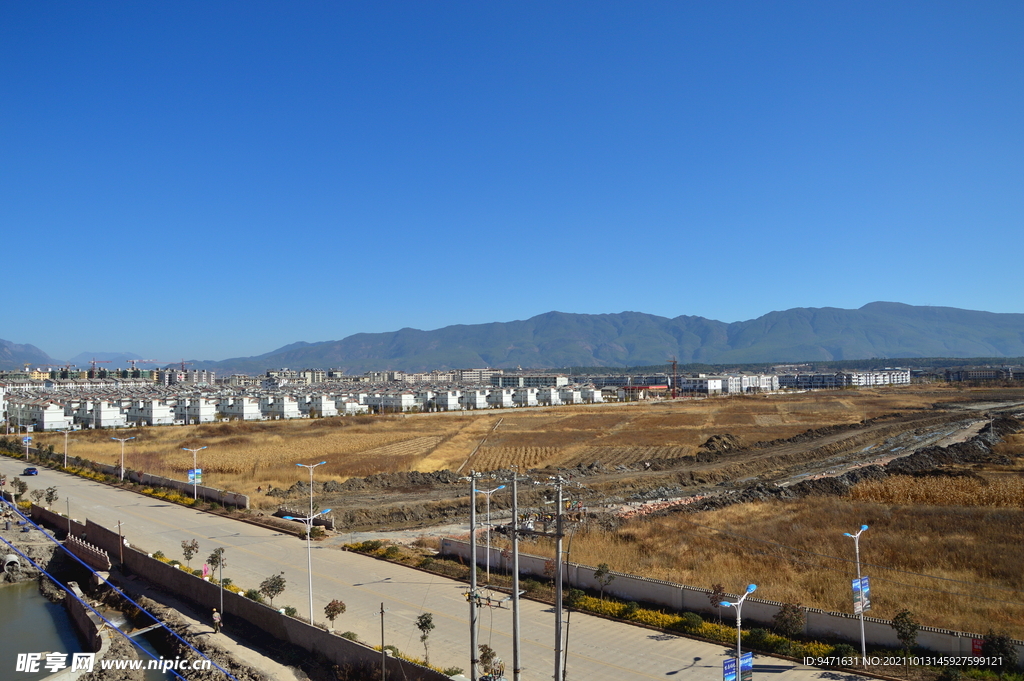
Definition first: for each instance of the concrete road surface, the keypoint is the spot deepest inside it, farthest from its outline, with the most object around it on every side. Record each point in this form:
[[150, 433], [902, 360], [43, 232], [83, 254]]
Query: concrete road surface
[[599, 650]]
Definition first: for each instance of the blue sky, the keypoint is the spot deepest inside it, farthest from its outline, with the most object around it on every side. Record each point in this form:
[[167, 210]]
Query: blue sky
[[207, 180]]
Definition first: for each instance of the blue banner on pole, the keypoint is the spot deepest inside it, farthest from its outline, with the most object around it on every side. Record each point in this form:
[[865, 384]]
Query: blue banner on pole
[[195, 476], [747, 667], [729, 669]]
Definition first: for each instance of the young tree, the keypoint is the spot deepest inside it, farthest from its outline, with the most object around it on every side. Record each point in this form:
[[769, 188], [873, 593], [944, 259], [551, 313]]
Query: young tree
[[333, 609], [425, 623], [906, 627], [189, 548], [789, 620], [490, 662], [716, 597], [273, 586], [20, 486], [37, 495], [999, 647], [216, 558], [603, 575], [51, 495]]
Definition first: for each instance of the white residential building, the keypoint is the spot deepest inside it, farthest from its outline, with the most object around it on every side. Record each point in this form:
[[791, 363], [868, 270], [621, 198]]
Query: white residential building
[[279, 407], [707, 385], [322, 405], [242, 408], [548, 396], [151, 412], [200, 410], [570, 395], [351, 406], [448, 400], [474, 399], [591, 395], [101, 413], [41, 414], [525, 397], [501, 398]]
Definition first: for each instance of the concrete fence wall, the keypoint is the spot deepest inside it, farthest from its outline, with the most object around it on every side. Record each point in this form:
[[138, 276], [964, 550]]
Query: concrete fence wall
[[338, 650], [313, 639], [691, 598], [58, 522]]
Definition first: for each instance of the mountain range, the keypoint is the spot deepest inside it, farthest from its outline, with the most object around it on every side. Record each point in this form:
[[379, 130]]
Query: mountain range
[[558, 339]]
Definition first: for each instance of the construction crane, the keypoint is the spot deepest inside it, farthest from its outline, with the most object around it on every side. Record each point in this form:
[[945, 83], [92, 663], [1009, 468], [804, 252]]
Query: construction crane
[[93, 362]]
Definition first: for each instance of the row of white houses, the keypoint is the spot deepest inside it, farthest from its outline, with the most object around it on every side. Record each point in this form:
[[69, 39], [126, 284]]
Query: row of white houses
[[61, 412]]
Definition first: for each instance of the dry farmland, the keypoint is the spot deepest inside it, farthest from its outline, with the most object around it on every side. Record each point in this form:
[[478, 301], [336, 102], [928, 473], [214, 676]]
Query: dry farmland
[[243, 456]]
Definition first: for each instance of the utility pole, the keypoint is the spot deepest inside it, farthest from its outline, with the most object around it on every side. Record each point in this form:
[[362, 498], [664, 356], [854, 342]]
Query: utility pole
[[558, 583], [383, 653], [473, 608], [516, 669], [120, 545]]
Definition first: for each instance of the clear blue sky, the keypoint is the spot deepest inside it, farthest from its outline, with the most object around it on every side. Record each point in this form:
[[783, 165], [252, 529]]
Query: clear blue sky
[[209, 179]]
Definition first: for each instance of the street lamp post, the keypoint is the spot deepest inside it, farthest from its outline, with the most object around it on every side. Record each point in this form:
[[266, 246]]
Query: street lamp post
[[122, 440], [308, 521], [489, 493], [856, 548], [311, 466], [739, 607], [195, 469], [67, 431]]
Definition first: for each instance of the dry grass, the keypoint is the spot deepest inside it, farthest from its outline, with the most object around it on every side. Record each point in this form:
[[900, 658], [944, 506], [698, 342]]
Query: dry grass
[[796, 553], [961, 491]]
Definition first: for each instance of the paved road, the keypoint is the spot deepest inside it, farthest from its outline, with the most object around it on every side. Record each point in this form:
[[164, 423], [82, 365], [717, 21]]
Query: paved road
[[599, 650]]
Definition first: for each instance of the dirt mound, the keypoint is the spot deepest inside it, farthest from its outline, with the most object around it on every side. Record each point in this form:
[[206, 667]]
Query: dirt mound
[[716, 445], [930, 461]]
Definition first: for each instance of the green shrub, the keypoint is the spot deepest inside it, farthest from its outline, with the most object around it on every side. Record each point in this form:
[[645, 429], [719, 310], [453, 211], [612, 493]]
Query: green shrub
[[369, 546], [392, 552], [350, 635], [843, 650], [629, 610], [254, 595], [290, 611], [159, 555], [452, 671], [427, 562], [573, 597], [691, 621]]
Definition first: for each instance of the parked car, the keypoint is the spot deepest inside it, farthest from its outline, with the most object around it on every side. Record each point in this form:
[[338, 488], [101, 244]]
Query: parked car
[[30, 471]]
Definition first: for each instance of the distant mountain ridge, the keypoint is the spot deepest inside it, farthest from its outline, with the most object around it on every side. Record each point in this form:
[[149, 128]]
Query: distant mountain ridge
[[636, 339], [625, 339], [15, 356]]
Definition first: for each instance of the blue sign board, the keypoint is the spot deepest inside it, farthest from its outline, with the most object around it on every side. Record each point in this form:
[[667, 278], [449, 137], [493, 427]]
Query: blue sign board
[[729, 669], [747, 667], [861, 595], [195, 476], [26, 440]]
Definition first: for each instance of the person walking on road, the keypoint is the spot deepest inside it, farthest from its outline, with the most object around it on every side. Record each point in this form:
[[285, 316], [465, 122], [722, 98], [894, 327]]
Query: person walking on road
[[216, 621]]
